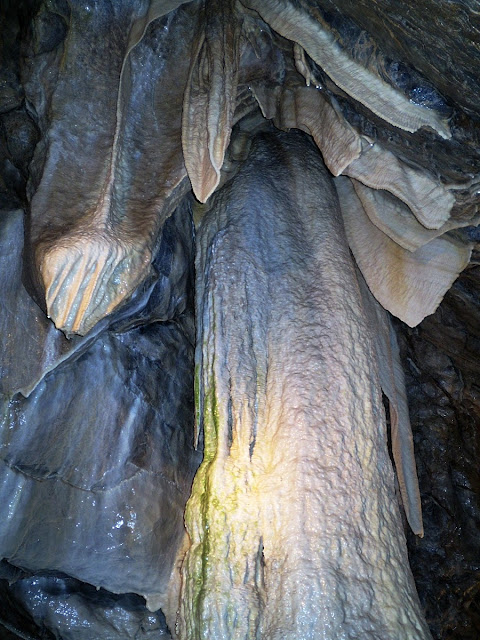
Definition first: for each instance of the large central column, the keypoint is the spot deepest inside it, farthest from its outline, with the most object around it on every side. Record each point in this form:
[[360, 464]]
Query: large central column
[[293, 522]]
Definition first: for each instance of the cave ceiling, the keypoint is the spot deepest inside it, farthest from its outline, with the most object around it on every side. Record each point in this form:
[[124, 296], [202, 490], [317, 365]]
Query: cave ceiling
[[154, 106]]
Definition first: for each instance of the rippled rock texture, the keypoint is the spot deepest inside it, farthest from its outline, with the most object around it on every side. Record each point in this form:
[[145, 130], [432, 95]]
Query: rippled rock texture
[[116, 121], [280, 542]]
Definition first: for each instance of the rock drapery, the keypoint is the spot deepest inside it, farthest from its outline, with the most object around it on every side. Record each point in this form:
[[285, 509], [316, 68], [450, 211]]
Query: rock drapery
[[103, 186]]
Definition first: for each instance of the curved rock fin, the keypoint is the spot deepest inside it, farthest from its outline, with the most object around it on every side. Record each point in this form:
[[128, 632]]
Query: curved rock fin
[[210, 97], [395, 218], [294, 20], [99, 206], [409, 284], [393, 386], [306, 108], [430, 202], [409, 205]]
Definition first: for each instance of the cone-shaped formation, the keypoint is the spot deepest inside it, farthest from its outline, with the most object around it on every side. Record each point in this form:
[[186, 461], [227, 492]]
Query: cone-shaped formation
[[292, 419], [210, 97]]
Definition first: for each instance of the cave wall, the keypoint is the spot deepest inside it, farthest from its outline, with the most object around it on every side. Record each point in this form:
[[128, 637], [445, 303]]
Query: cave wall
[[441, 356]]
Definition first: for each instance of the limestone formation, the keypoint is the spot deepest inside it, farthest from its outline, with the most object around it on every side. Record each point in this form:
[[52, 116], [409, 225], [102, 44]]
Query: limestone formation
[[263, 184]]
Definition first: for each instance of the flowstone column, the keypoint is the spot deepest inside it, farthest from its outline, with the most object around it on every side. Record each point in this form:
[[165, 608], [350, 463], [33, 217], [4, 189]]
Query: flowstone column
[[293, 522]]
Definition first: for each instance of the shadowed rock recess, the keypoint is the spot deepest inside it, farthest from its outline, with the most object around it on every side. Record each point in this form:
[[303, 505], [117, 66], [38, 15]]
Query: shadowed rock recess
[[239, 320]]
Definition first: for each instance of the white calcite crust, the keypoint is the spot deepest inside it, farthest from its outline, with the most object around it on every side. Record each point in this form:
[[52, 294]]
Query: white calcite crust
[[409, 284], [294, 525], [294, 21], [86, 278]]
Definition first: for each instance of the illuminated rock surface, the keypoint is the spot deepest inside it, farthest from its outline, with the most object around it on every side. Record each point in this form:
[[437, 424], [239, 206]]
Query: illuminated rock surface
[[101, 432], [109, 176], [91, 135], [291, 412]]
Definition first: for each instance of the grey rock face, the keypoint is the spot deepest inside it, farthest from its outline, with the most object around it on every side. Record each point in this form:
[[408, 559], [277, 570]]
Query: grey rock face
[[55, 606], [100, 433], [64, 455], [105, 179]]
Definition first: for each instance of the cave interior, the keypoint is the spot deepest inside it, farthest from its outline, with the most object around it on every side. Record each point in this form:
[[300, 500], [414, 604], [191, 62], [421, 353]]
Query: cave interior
[[114, 162]]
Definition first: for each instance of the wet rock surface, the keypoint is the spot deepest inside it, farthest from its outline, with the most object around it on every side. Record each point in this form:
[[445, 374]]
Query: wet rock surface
[[56, 606], [439, 39], [441, 358], [441, 361], [429, 53], [18, 132], [91, 430]]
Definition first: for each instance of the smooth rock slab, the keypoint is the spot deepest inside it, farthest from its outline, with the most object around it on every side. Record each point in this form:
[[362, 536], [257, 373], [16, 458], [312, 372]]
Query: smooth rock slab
[[97, 462], [55, 606]]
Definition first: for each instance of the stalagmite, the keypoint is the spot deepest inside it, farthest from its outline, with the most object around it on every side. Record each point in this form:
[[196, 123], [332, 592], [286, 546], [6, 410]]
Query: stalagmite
[[294, 530], [293, 508]]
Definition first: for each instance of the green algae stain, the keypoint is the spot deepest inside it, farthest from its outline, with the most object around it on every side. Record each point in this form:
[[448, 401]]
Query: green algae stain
[[201, 508], [215, 565]]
